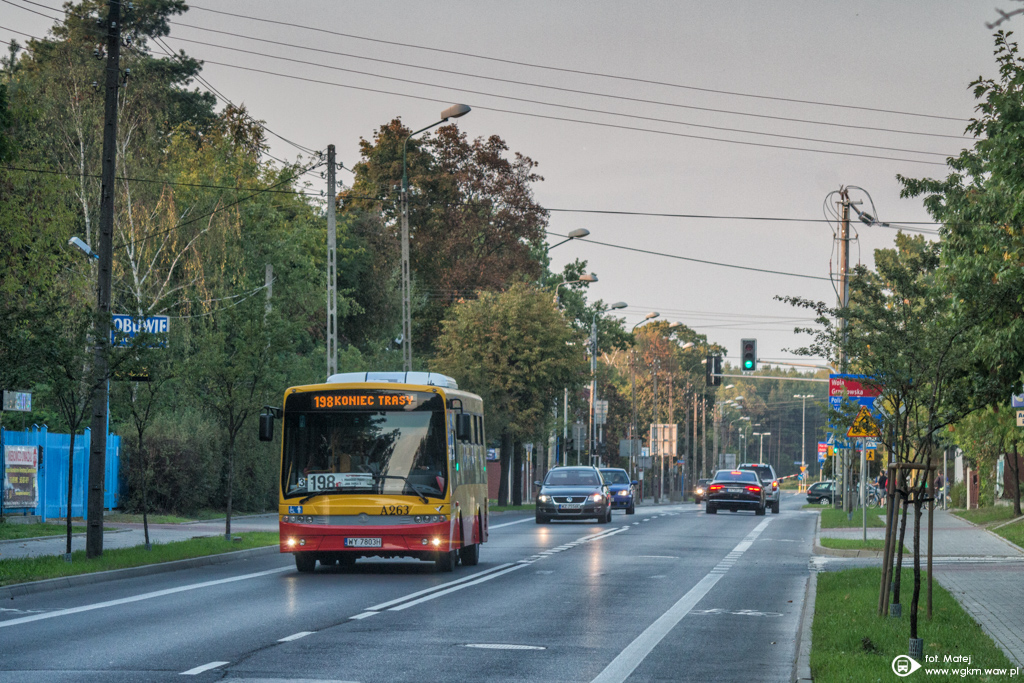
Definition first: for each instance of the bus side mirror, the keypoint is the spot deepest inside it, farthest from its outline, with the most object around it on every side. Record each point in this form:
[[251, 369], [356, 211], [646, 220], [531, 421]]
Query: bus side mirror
[[464, 427], [266, 427]]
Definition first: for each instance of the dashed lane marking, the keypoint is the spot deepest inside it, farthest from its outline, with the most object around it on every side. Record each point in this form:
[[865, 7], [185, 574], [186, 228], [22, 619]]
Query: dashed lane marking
[[295, 636], [205, 667]]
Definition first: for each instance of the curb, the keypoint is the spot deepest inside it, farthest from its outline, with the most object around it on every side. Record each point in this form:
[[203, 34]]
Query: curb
[[29, 588], [802, 665]]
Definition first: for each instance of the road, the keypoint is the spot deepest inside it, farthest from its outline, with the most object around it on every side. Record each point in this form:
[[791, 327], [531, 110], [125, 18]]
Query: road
[[656, 596]]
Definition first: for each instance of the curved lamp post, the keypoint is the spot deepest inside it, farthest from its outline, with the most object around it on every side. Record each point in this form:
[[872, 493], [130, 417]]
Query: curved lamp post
[[592, 277], [452, 112], [578, 233], [593, 377]]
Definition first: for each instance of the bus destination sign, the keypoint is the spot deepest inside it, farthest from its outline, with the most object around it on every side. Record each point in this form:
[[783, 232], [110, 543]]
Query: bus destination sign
[[335, 401]]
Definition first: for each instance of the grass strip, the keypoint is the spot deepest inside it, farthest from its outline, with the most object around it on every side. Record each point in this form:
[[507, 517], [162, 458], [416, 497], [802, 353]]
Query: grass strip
[[20, 570], [126, 518], [993, 513], [1014, 533], [855, 544], [850, 643], [10, 531], [836, 519]]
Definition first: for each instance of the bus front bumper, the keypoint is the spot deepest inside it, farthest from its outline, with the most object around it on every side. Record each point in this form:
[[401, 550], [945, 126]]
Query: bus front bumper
[[407, 540]]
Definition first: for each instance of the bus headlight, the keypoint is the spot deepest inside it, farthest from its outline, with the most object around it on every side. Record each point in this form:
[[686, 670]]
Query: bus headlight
[[291, 542]]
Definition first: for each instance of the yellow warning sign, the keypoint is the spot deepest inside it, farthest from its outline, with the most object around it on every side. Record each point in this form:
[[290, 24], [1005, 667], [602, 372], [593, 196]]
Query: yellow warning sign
[[863, 426], [869, 454], [831, 452]]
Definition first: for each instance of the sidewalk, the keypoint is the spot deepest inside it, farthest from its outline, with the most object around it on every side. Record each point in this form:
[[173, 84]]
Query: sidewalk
[[130, 535], [982, 570]]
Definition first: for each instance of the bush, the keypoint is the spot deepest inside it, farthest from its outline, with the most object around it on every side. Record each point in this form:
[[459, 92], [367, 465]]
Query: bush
[[958, 495], [183, 455]]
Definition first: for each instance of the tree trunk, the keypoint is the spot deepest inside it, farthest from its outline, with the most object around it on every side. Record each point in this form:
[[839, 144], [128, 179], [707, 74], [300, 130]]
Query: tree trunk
[[145, 492], [898, 574], [517, 473], [505, 460], [231, 477], [1015, 474], [917, 560], [71, 487]]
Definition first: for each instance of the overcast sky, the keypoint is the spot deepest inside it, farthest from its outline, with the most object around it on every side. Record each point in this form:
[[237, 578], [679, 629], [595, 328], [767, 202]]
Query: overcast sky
[[912, 56]]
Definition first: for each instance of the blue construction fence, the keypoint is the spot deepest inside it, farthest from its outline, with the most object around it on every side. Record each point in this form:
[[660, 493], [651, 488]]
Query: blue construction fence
[[52, 480]]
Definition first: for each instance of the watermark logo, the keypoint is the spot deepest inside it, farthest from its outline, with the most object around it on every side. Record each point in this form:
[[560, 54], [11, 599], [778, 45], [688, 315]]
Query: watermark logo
[[904, 666]]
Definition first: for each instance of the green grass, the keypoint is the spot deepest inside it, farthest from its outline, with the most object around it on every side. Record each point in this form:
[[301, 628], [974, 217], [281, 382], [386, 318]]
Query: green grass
[[855, 544], [1014, 533], [995, 513], [850, 643], [125, 518], [10, 531], [836, 519], [21, 570]]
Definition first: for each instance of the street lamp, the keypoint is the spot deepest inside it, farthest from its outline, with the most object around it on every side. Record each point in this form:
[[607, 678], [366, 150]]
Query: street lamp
[[593, 376], [632, 374], [760, 454], [452, 112], [592, 277], [579, 233], [803, 434]]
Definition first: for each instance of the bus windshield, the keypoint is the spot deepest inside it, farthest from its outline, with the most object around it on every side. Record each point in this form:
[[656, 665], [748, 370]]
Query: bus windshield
[[364, 442]]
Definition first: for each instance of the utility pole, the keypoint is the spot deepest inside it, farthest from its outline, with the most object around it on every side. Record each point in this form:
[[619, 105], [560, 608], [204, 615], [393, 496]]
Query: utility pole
[[332, 274], [715, 422], [593, 389], [655, 450], [703, 435], [565, 429], [101, 328], [844, 294]]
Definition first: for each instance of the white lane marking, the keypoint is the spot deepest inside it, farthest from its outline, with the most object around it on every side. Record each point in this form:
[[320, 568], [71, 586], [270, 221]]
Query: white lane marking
[[456, 588], [503, 646], [143, 596], [660, 557], [620, 668], [363, 615], [204, 667], [518, 521], [389, 603], [295, 636]]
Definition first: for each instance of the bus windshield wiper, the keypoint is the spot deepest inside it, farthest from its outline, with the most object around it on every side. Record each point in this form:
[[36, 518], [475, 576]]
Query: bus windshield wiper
[[378, 477]]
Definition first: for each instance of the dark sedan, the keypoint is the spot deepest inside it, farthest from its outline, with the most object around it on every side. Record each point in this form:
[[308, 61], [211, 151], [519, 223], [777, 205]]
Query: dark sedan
[[821, 492], [620, 489], [736, 490], [573, 493], [700, 491]]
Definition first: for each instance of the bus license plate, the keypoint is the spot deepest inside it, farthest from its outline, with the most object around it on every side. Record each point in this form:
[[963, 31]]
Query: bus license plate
[[362, 543], [570, 506]]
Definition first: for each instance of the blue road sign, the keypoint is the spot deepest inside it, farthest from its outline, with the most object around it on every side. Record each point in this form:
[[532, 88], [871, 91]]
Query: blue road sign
[[128, 326], [1017, 401]]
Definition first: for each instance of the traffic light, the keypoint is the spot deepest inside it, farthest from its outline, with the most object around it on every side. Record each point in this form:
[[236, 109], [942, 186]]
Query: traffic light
[[748, 347], [713, 371]]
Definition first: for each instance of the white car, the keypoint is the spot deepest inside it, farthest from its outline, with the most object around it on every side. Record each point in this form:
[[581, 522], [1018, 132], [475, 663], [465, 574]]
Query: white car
[[766, 473]]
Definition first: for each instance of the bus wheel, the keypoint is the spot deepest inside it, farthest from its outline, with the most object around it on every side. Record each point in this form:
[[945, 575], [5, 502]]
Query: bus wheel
[[470, 555], [305, 562], [445, 562]]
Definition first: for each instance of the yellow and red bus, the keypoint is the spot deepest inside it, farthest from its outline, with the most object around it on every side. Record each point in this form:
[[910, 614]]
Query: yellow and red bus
[[381, 464]]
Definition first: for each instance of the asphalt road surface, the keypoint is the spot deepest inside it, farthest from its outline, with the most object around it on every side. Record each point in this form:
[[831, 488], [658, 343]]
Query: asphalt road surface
[[667, 594]]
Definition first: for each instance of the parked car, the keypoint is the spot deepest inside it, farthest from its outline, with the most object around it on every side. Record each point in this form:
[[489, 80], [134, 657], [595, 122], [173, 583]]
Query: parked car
[[620, 489], [771, 482], [700, 491], [573, 493], [821, 492], [736, 490]]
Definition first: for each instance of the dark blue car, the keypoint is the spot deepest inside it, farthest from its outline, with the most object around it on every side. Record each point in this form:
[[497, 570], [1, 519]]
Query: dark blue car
[[621, 489]]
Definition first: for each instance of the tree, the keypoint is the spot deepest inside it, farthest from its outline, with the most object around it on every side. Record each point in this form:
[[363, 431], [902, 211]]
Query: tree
[[474, 223], [516, 351], [901, 332]]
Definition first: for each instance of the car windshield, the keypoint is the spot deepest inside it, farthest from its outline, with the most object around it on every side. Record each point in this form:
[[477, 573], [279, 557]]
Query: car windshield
[[703, 482], [572, 478], [344, 443], [735, 475], [764, 472], [615, 477]]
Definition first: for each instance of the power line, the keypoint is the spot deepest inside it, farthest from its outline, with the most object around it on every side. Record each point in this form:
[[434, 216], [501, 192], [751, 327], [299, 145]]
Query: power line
[[694, 260], [525, 83], [576, 71], [570, 120]]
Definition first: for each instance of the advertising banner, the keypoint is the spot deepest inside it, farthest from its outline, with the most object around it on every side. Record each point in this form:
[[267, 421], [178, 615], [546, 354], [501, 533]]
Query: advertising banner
[[21, 470]]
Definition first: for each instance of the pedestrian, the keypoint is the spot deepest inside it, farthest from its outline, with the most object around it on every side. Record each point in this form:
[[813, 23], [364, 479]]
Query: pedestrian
[[883, 482]]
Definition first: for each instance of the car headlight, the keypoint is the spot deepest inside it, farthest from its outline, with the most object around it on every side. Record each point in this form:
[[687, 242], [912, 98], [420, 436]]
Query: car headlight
[[623, 493], [543, 498], [596, 497]]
